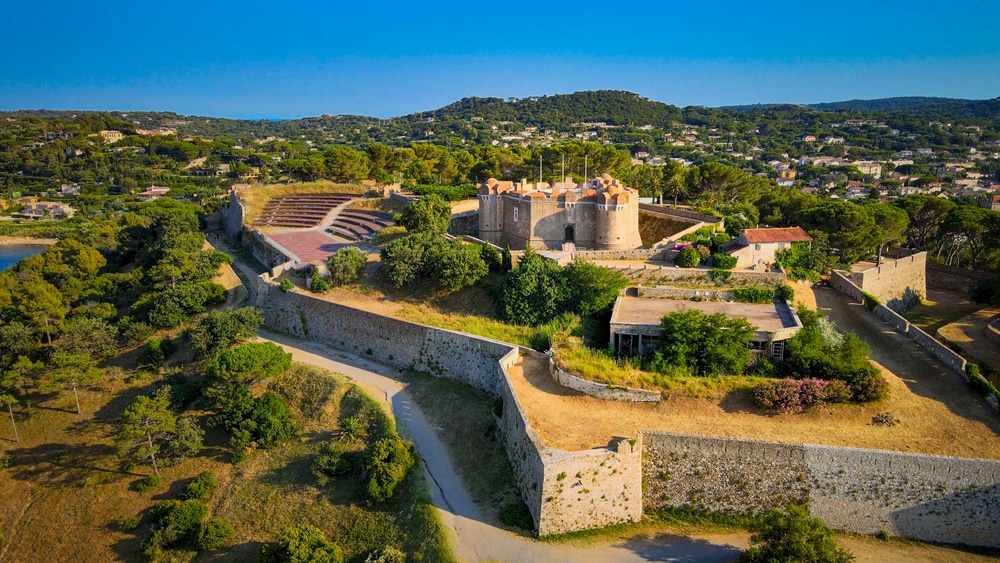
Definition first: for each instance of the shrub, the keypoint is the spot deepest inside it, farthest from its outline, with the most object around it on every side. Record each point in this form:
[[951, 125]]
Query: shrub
[[157, 351], [690, 237], [249, 363], [135, 332], [790, 395], [517, 515], [978, 382], [202, 486], [705, 344], [688, 257], [388, 554], [301, 544], [866, 384], [785, 293], [429, 214], [724, 261], [759, 295], [491, 256], [703, 253], [387, 462], [791, 535], [837, 391], [870, 300], [333, 461], [346, 265], [222, 329], [286, 285], [147, 483], [719, 275], [214, 533], [318, 283], [129, 523]]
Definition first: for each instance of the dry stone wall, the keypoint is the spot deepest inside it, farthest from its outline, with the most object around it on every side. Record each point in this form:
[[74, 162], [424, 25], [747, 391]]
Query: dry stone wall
[[931, 498], [955, 279], [899, 283]]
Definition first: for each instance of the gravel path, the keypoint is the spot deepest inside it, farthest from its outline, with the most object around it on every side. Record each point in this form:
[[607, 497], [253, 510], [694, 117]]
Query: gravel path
[[474, 539]]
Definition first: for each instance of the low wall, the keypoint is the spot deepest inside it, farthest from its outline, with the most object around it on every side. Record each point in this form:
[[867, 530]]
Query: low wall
[[601, 390], [993, 330], [956, 362], [931, 498], [627, 254], [699, 277], [464, 224], [265, 250], [610, 489], [673, 211], [661, 292], [952, 278]]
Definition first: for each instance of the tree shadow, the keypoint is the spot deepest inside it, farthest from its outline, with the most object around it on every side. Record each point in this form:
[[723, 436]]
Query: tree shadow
[[739, 401], [679, 549], [57, 464]]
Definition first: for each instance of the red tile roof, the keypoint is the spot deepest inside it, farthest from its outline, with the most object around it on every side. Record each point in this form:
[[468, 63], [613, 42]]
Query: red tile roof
[[788, 234]]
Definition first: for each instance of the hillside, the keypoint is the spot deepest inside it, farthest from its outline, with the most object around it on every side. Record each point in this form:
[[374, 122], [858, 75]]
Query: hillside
[[887, 104]]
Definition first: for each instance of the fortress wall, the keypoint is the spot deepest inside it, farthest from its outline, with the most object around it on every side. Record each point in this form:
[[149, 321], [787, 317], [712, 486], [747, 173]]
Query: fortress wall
[[690, 215], [483, 364], [464, 224], [232, 215], [893, 318], [626, 254], [899, 283], [952, 278], [265, 250], [930, 498]]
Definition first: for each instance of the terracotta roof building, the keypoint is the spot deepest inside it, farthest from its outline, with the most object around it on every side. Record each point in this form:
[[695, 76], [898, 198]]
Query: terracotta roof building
[[755, 248]]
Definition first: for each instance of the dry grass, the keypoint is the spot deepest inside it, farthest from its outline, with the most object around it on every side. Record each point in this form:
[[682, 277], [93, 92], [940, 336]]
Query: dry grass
[[67, 489], [380, 204], [254, 199], [941, 308]]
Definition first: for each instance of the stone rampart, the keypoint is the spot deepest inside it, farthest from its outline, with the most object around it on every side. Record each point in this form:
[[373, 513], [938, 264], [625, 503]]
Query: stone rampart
[[624, 254], [845, 285], [556, 506], [464, 224], [900, 282], [931, 498], [602, 390], [265, 250], [232, 215], [700, 277], [660, 292], [673, 211], [952, 278]]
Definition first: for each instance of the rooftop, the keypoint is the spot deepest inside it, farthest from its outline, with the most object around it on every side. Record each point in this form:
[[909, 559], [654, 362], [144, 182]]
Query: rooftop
[[649, 311], [786, 234]]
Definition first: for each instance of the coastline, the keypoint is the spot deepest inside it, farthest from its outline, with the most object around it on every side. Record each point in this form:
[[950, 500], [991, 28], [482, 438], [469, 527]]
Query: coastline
[[26, 241]]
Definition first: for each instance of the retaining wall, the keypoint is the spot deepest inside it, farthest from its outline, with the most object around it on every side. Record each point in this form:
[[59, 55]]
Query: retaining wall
[[601, 390], [952, 278], [691, 215], [557, 505], [265, 250], [464, 224], [993, 330], [931, 498], [956, 362], [699, 277], [627, 254], [899, 282]]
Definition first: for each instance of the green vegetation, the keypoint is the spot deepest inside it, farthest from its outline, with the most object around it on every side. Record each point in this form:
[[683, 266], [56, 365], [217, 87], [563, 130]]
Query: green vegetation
[[692, 342], [151, 431], [687, 257], [791, 535], [539, 290], [220, 330], [446, 192], [429, 214], [346, 265], [756, 295], [248, 364], [723, 261], [450, 263], [302, 544]]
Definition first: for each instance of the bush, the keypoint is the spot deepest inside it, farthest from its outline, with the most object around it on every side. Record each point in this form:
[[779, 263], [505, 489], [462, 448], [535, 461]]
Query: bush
[[867, 384], [147, 483], [450, 193], [978, 382], [790, 395], [301, 544], [318, 283], [759, 295], [791, 535], [688, 257], [837, 391], [785, 293], [135, 332], [870, 300], [214, 533], [517, 515], [129, 523], [157, 351], [690, 237], [719, 275], [724, 261], [388, 554], [202, 486], [249, 363], [346, 265], [222, 329], [387, 462], [491, 256], [286, 285], [429, 214], [333, 461], [703, 253]]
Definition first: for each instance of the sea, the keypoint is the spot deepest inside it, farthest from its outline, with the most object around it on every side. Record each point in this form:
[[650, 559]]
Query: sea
[[10, 255]]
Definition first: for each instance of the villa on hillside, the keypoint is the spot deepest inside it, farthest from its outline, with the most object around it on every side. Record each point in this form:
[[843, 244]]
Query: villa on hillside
[[755, 248], [34, 209]]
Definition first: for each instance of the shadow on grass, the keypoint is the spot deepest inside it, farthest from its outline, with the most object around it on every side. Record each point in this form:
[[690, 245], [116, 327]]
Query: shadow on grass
[[58, 464]]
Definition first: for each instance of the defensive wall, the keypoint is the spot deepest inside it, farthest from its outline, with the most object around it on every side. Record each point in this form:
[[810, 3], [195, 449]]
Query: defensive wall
[[931, 498], [842, 283], [953, 278], [899, 282], [466, 223], [701, 277]]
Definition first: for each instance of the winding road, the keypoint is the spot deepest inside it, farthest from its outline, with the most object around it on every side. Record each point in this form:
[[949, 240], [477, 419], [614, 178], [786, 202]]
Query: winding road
[[473, 539]]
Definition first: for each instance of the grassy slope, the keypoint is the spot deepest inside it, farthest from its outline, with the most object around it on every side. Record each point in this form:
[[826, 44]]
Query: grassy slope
[[66, 488]]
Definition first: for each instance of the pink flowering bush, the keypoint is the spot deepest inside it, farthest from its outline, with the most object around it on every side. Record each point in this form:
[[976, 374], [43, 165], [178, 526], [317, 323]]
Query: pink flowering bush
[[790, 395]]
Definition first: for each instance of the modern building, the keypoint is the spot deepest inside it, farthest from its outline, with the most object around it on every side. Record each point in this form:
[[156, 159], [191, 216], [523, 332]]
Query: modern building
[[635, 322], [600, 214]]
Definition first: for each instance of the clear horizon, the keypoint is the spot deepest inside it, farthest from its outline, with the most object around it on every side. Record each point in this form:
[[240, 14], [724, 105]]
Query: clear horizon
[[253, 60]]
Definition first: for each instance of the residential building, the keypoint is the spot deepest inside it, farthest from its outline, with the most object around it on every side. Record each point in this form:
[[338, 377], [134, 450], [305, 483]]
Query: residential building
[[110, 136], [35, 209], [755, 248]]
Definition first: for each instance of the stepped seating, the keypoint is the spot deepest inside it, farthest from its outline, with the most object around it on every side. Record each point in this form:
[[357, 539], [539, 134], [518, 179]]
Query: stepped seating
[[359, 225], [299, 210]]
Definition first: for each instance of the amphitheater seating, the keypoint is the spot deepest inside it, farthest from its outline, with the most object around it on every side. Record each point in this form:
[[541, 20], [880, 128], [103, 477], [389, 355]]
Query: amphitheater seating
[[299, 210], [354, 224]]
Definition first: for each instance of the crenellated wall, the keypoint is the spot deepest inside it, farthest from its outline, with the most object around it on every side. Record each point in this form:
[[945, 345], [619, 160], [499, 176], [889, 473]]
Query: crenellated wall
[[900, 282]]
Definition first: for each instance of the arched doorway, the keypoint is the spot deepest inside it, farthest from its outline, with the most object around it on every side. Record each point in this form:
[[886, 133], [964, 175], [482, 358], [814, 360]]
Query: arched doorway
[[570, 233]]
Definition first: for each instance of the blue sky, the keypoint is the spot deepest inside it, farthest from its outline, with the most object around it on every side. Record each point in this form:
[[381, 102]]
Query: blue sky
[[255, 59]]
